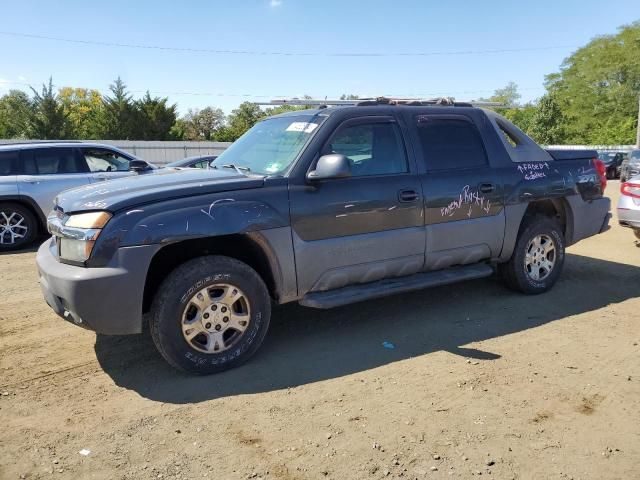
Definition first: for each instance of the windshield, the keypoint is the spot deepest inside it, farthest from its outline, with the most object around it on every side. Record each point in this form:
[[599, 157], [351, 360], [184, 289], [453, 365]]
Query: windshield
[[271, 145], [635, 156]]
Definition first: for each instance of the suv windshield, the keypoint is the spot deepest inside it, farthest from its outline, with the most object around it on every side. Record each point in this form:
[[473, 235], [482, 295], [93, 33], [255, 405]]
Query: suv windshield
[[635, 156], [271, 145]]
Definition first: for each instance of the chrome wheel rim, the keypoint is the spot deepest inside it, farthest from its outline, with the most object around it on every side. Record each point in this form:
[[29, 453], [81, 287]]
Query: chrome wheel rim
[[13, 227], [216, 318], [540, 257]]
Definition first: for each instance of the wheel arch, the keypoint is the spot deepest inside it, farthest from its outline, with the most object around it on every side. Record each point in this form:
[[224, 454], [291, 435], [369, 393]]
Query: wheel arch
[[557, 208], [29, 203], [250, 248]]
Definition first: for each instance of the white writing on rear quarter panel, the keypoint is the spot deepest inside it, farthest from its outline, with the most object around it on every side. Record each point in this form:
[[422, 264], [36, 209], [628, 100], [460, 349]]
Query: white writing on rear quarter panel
[[533, 171]]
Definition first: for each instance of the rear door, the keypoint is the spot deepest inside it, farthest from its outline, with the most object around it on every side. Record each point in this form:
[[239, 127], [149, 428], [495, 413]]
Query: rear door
[[49, 170], [365, 227], [105, 164], [463, 194]]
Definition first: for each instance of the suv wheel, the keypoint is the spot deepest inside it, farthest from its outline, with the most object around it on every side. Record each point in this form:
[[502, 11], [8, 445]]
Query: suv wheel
[[18, 226], [538, 257], [210, 314]]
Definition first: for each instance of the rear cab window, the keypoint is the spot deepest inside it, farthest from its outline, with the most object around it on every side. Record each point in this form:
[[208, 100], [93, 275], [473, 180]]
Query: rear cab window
[[450, 142]]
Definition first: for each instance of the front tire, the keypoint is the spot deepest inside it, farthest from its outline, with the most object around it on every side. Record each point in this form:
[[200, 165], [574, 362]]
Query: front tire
[[18, 226], [538, 257], [210, 314]]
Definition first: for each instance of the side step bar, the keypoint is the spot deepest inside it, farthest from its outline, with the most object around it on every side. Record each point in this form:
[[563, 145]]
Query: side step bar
[[391, 286]]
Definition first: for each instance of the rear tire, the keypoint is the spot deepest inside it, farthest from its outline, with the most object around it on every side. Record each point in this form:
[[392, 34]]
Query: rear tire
[[18, 227], [210, 314], [538, 256]]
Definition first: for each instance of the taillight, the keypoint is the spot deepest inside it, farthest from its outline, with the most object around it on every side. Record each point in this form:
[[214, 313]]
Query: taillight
[[602, 172], [630, 189]]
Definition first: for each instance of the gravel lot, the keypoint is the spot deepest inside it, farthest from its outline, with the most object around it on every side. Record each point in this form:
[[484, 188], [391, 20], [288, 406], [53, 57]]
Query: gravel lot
[[482, 381]]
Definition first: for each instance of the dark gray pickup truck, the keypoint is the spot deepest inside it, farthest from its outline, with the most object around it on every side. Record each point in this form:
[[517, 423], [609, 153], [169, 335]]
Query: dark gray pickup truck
[[324, 207]]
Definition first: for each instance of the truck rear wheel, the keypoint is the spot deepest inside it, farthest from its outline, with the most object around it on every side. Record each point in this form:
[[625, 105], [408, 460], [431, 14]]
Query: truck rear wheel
[[538, 257], [210, 314]]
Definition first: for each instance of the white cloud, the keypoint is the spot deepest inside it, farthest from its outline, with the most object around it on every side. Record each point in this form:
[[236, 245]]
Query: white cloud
[[275, 3], [21, 78]]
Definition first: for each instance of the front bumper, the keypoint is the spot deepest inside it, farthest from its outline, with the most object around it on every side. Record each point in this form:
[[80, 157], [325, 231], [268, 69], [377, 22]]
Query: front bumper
[[106, 300]]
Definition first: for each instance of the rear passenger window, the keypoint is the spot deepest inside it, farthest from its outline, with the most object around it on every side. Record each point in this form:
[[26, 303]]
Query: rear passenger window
[[56, 160], [450, 143], [8, 163]]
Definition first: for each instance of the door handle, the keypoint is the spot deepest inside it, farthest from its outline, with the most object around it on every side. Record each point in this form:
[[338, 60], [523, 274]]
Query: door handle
[[486, 187], [408, 195]]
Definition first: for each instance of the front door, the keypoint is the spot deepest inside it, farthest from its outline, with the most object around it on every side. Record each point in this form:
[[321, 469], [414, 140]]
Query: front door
[[463, 195], [365, 227]]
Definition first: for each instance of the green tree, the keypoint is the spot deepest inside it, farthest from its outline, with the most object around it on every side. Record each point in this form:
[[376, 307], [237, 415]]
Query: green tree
[[240, 120], [15, 114], [49, 120], [154, 118], [598, 86], [203, 124], [522, 116], [507, 95], [118, 114], [548, 122], [83, 109]]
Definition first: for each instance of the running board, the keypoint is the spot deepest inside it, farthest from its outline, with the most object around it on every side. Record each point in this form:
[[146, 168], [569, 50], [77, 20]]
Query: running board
[[391, 286]]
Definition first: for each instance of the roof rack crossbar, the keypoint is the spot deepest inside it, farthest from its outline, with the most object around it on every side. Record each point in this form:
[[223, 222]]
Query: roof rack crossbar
[[441, 101]]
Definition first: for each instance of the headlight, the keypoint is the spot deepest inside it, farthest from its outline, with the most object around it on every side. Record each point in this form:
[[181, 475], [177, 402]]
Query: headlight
[[75, 250], [76, 234]]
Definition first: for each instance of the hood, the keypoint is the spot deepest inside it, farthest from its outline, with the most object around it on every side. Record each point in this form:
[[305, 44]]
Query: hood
[[154, 186]]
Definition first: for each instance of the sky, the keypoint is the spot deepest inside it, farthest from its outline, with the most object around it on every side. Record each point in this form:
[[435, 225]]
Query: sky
[[411, 48]]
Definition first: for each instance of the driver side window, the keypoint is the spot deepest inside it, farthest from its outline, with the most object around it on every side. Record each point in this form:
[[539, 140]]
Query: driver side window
[[372, 148], [105, 161]]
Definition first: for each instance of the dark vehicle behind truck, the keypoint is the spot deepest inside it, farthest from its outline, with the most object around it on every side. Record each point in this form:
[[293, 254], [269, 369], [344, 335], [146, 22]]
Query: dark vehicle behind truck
[[323, 207]]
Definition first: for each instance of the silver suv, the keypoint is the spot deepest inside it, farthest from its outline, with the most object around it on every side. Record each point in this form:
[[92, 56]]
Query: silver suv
[[32, 174]]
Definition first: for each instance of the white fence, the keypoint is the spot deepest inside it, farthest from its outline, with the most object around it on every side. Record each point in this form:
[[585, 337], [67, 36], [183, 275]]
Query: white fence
[[158, 152], [591, 147]]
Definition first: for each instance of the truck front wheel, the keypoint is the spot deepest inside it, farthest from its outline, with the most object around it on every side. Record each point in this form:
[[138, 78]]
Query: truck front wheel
[[210, 314], [538, 256]]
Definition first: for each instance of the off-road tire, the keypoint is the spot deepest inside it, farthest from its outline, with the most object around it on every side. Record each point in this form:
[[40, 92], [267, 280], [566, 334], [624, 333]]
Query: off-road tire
[[514, 272], [173, 296], [28, 220]]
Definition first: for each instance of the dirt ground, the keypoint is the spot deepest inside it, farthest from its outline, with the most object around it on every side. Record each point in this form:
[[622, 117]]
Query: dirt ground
[[482, 381]]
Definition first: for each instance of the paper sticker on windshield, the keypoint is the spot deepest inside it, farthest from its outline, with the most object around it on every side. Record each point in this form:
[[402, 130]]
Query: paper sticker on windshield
[[302, 127]]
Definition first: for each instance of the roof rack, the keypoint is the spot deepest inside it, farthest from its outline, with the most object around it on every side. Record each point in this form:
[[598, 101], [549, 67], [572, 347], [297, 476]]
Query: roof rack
[[323, 103], [30, 142]]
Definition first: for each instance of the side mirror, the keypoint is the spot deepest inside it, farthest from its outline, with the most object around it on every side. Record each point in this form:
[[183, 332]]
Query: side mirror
[[139, 166], [334, 165]]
